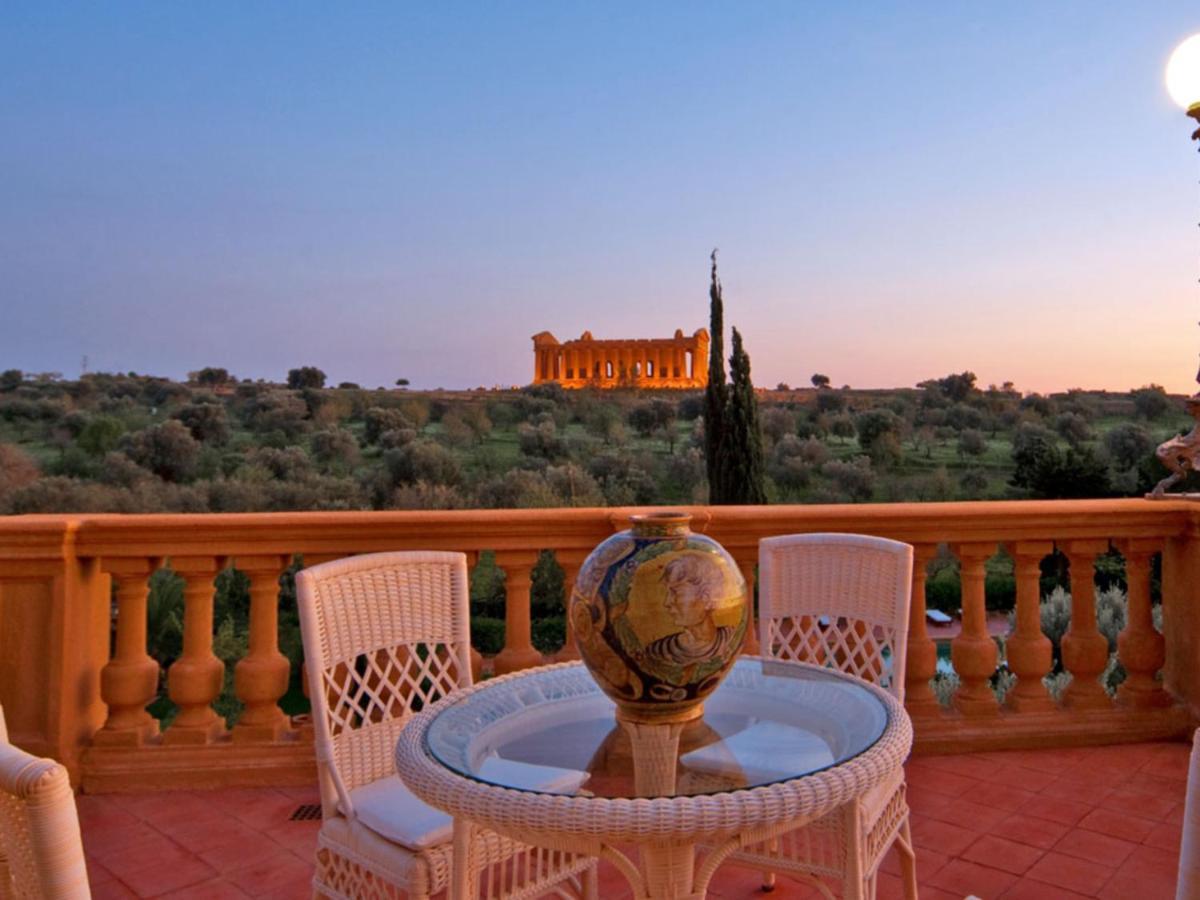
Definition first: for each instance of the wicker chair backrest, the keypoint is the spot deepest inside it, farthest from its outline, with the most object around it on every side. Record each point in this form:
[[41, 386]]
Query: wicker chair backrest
[[840, 600], [384, 635]]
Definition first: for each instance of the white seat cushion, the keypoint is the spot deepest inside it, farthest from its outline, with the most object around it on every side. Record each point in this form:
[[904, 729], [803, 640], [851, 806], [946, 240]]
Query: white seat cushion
[[391, 810], [764, 752], [531, 777]]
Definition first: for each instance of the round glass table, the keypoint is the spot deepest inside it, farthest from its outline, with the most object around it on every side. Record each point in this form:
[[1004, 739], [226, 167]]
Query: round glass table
[[541, 756]]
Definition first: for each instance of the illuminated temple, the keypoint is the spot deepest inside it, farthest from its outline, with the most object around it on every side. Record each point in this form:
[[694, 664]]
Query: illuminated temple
[[675, 362]]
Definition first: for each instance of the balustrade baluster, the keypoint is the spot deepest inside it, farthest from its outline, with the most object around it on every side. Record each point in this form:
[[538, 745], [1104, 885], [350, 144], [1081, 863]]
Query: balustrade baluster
[[476, 656], [1030, 653], [518, 652], [569, 561], [1141, 649], [748, 565], [1084, 648], [973, 651], [920, 662], [194, 680], [129, 681], [261, 677]]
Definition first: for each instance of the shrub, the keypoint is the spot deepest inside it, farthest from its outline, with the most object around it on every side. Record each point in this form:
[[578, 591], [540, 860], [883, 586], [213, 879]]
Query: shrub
[[168, 450]]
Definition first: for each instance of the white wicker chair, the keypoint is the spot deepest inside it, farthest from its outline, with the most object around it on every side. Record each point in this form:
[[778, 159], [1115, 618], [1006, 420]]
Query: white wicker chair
[[41, 853], [384, 635], [840, 600], [1188, 885]]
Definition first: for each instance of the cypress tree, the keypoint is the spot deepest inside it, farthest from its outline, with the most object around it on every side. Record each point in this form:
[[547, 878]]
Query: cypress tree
[[716, 394], [744, 466]]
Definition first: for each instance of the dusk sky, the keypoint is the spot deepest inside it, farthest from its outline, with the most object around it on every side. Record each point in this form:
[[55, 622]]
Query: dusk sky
[[897, 191]]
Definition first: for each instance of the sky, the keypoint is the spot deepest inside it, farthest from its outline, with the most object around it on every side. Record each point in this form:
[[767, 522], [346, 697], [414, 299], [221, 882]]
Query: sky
[[401, 190]]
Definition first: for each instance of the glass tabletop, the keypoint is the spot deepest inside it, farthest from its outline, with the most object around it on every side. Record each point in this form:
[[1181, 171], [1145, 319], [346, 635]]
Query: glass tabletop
[[553, 731]]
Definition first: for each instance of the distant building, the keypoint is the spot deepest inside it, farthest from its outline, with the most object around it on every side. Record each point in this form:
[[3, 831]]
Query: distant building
[[678, 362]]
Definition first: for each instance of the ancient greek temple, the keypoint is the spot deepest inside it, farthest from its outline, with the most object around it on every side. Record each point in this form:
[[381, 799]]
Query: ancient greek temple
[[678, 362]]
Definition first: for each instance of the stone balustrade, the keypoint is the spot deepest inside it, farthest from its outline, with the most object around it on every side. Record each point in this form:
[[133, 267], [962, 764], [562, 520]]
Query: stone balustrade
[[76, 677]]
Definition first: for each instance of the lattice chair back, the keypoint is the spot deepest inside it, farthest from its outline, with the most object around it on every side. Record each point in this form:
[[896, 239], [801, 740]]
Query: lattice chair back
[[384, 635], [839, 600], [41, 852]]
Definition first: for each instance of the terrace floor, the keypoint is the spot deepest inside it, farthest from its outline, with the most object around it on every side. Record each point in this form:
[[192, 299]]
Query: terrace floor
[[1097, 822]]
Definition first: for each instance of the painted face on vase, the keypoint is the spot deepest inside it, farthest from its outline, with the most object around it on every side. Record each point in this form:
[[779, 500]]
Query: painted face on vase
[[694, 585]]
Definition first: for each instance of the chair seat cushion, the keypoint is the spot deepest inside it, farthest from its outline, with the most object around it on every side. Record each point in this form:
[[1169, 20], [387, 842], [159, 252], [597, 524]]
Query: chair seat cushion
[[391, 810], [762, 753]]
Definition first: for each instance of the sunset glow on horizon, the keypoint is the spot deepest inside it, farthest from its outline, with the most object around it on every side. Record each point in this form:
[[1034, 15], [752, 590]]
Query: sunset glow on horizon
[[386, 192]]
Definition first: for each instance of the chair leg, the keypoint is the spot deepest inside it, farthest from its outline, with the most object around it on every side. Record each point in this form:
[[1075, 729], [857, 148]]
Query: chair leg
[[591, 882], [908, 860], [768, 882]]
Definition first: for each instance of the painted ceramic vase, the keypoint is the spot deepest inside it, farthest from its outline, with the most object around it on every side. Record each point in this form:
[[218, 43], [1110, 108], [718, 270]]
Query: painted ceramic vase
[[659, 614]]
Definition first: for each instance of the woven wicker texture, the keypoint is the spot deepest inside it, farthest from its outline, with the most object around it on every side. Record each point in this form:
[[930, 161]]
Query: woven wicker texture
[[671, 825], [41, 852], [1188, 885], [385, 635], [837, 599], [840, 600]]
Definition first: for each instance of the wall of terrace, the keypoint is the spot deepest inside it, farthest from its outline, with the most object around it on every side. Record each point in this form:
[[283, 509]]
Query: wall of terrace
[[75, 676]]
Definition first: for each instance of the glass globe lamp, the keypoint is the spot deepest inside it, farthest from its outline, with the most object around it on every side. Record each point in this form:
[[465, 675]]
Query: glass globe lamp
[[1183, 75]]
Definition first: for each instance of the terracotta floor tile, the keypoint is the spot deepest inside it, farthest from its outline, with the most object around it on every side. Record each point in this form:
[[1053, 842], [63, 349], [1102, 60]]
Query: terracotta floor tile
[[105, 842], [1148, 862], [1056, 809], [172, 875], [1075, 792], [299, 837], [246, 850], [1095, 847], [889, 887], [1000, 796], [737, 883], [1117, 824], [1001, 853], [1164, 836], [268, 873], [112, 890], [1028, 889], [938, 782], [1148, 874], [975, 816], [214, 889], [1144, 782], [1021, 778], [204, 835], [1175, 816], [1070, 872], [97, 872], [923, 800], [154, 851], [1032, 830], [928, 862], [1137, 803], [1094, 778], [943, 837], [964, 878], [266, 811], [970, 766], [1172, 764]]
